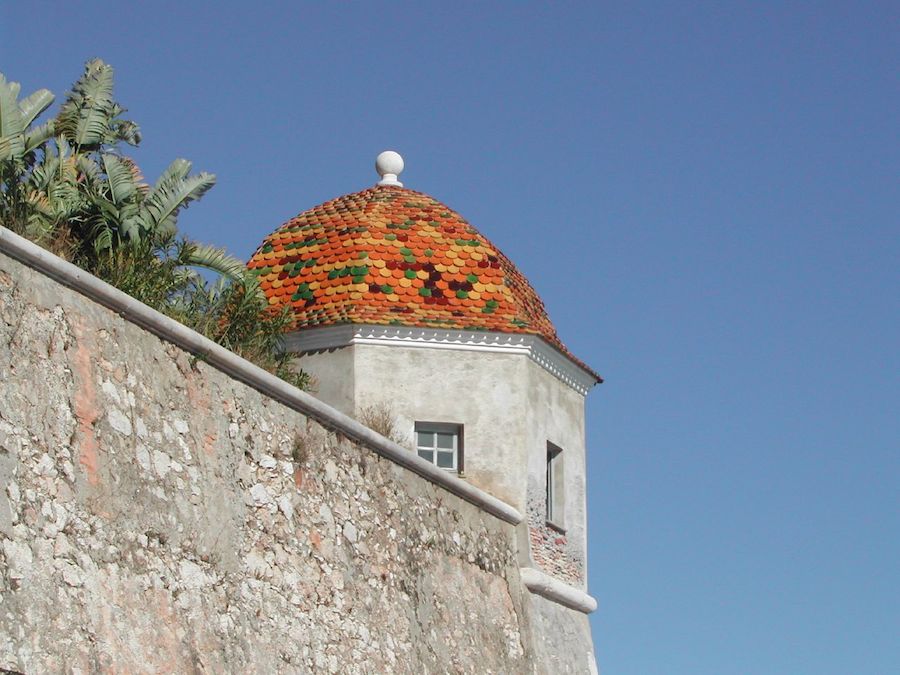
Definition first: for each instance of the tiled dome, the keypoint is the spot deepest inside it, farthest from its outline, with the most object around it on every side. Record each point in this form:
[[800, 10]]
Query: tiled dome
[[393, 256]]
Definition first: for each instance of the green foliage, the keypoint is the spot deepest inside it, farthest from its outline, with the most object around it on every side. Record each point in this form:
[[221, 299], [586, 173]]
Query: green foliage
[[16, 136], [90, 118], [67, 186], [238, 317], [154, 273], [19, 145]]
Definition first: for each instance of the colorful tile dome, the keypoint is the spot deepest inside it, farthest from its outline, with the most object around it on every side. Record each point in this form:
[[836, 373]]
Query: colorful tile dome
[[389, 255]]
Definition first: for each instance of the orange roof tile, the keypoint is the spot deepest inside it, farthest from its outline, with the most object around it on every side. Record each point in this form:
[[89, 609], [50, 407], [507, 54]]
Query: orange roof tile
[[392, 256]]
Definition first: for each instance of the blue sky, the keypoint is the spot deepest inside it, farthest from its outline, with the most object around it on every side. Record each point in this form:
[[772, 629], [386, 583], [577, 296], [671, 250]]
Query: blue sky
[[704, 194]]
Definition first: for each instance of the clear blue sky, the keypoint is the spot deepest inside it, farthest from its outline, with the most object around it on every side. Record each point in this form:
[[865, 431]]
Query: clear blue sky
[[705, 196]]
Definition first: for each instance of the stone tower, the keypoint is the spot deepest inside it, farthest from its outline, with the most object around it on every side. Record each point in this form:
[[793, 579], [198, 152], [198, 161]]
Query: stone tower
[[401, 305]]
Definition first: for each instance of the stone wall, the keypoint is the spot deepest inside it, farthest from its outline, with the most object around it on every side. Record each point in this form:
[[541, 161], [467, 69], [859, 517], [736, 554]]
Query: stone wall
[[550, 551], [157, 515]]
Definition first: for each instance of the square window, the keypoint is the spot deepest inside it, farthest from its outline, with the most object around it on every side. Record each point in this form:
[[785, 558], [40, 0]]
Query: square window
[[440, 443], [445, 460]]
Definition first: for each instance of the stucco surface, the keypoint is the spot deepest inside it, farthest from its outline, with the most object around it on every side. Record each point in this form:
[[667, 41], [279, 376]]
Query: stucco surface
[[332, 377], [475, 390], [556, 415], [509, 408], [158, 516]]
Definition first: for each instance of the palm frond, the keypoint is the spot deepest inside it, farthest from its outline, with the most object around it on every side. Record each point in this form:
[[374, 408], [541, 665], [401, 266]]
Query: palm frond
[[126, 131], [216, 259], [88, 168], [12, 141], [84, 116], [177, 170], [100, 234], [42, 174], [36, 137], [173, 191], [32, 106], [120, 174]]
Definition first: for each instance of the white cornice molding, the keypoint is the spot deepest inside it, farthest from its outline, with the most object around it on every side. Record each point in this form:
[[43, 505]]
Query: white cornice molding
[[532, 346], [546, 586]]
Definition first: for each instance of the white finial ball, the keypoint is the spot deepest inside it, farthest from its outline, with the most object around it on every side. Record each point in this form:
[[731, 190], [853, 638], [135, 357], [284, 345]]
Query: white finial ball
[[389, 164]]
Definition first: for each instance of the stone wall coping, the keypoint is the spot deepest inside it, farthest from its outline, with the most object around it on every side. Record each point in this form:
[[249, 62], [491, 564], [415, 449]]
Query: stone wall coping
[[233, 365], [555, 590]]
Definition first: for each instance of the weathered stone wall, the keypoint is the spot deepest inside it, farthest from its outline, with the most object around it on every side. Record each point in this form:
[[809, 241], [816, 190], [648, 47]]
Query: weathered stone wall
[[549, 550], [562, 637], [158, 516]]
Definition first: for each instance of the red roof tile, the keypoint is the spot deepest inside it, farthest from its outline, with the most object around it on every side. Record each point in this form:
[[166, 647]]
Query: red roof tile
[[393, 256]]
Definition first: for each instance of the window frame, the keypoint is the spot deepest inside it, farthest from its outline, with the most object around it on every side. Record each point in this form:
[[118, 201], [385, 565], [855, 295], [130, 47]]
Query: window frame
[[555, 488], [441, 428]]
